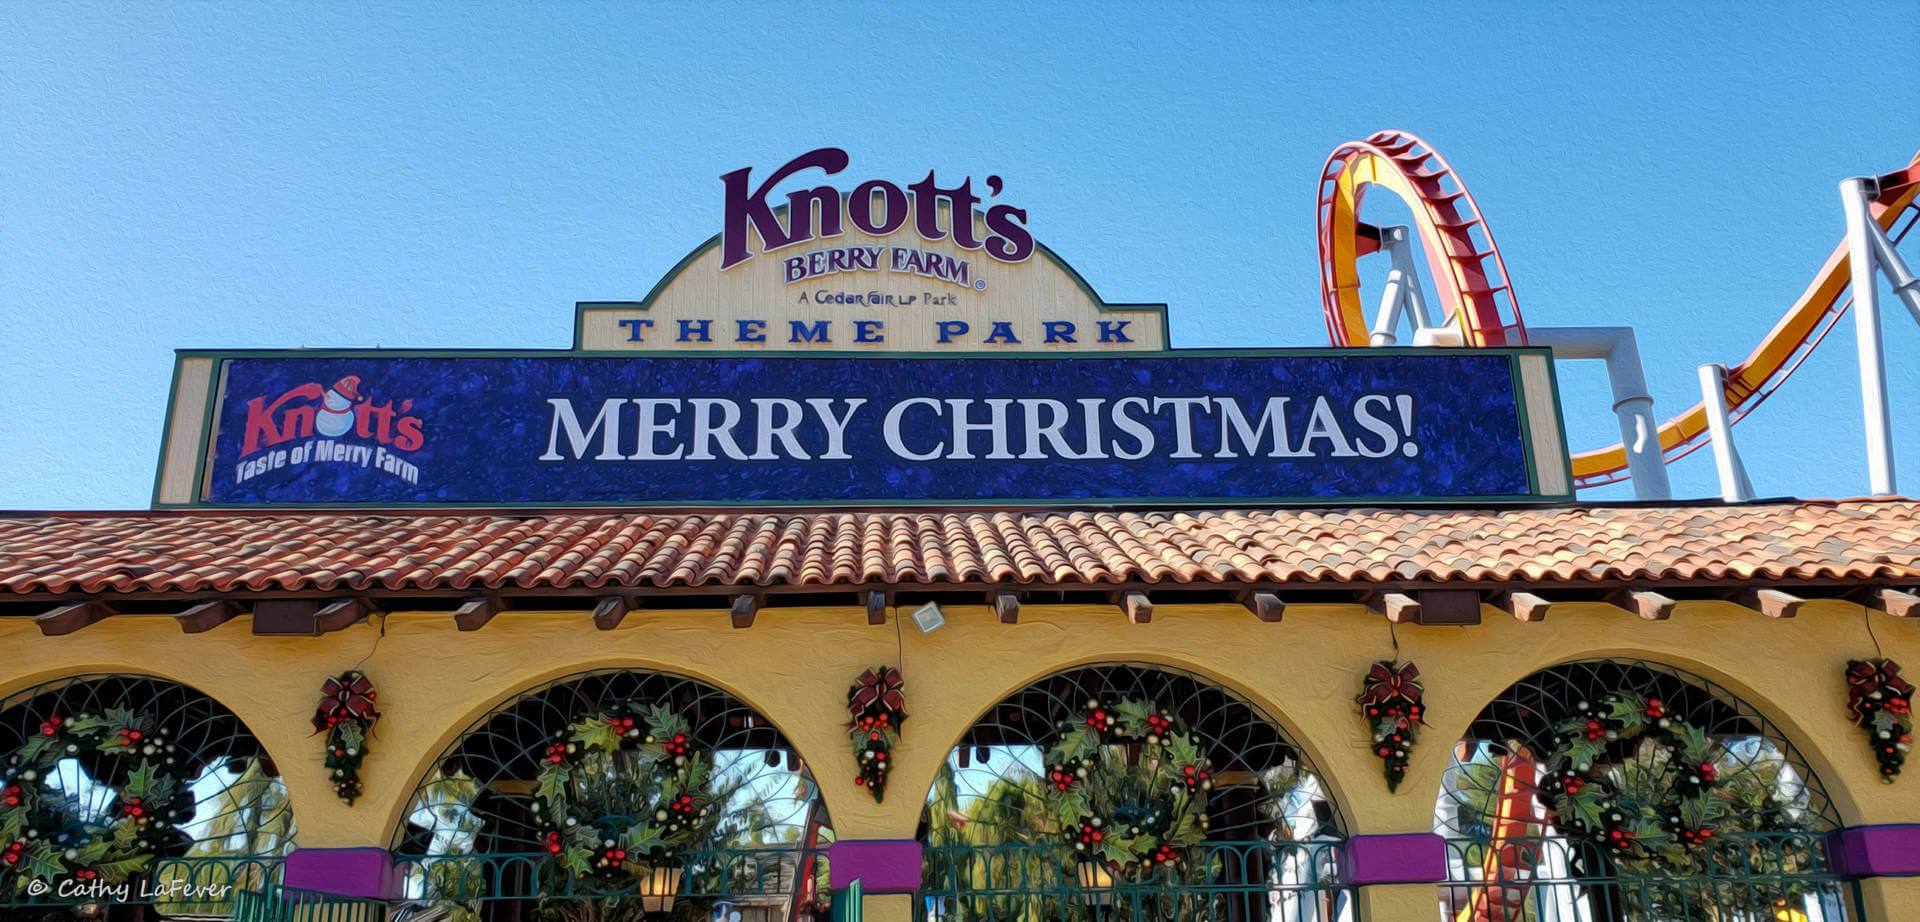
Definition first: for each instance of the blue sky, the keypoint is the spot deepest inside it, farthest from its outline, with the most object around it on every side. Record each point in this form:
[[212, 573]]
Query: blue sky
[[457, 175]]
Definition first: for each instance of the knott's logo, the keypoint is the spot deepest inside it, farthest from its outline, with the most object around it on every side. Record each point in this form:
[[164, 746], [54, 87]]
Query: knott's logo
[[330, 418], [876, 207]]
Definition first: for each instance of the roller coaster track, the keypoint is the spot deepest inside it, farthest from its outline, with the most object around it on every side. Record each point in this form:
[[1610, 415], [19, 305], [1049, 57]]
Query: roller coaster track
[[1471, 279]]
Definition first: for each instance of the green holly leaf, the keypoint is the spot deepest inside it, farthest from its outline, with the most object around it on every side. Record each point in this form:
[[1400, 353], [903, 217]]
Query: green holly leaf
[[1182, 751], [1130, 717], [641, 839], [44, 862], [93, 851], [1694, 744], [579, 860], [554, 781], [349, 735], [122, 868], [1884, 722], [664, 723], [1584, 806], [596, 734], [1582, 753], [1073, 744], [140, 782], [36, 746]]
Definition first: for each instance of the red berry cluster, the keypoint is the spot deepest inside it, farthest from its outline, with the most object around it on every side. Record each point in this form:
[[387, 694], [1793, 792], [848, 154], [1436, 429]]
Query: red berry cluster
[[1090, 835], [612, 857], [14, 853], [1100, 721], [676, 746], [1654, 709], [1881, 703], [134, 807], [1195, 778], [1695, 836], [86, 874], [1595, 730], [554, 844], [1620, 839], [557, 753], [51, 725], [1063, 777], [684, 806], [1708, 773], [128, 736], [1158, 724], [12, 796], [1165, 854]]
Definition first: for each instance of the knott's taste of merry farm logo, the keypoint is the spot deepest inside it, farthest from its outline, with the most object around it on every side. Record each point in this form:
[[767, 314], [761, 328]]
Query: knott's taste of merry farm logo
[[876, 207], [333, 424]]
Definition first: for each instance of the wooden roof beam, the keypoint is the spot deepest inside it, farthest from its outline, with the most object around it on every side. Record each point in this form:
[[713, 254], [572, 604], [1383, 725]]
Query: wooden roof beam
[[1773, 603], [474, 613], [744, 606], [1523, 606], [207, 615], [877, 602], [1138, 609], [1896, 602], [610, 610], [1006, 607], [69, 618], [1265, 606], [1398, 607], [1649, 605]]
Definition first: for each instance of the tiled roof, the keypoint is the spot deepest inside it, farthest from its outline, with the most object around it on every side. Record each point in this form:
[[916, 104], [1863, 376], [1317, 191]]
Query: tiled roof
[[94, 553]]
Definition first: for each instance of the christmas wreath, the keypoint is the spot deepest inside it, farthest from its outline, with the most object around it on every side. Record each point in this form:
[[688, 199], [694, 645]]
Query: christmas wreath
[[1882, 704], [44, 830], [1662, 806], [876, 704], [1390, 700], [623, 793], [346, 715], [1128, 789]]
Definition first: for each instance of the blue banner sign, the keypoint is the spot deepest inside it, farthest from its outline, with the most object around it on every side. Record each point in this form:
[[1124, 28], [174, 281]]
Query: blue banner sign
[[1189, 426]]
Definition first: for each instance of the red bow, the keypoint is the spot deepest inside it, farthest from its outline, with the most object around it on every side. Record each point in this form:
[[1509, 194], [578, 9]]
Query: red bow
[[344, 697], [1865, 677], [1386, 682], [881, 686]]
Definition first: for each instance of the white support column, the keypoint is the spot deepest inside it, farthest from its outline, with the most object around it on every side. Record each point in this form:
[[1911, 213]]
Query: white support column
[[1639, 431], [1734, 486], [1863, 263]]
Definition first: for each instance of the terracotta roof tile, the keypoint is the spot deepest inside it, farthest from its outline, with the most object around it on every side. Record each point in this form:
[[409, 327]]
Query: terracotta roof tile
[[189, 553]]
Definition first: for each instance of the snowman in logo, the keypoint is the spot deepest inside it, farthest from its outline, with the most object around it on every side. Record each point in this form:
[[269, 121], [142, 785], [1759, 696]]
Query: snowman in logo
[[336, 407]]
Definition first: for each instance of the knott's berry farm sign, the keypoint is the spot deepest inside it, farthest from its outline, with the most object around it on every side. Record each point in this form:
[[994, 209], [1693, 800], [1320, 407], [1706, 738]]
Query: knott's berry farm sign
[[882, 266], [860, 346]]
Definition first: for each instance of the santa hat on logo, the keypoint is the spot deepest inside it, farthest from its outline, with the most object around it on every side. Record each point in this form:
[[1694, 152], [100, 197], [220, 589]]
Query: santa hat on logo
[[348, 387]]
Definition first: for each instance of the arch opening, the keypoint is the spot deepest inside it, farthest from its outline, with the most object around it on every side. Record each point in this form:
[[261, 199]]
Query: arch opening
[[116, 780], [1622, 790], [1130, 791], [617, 794]]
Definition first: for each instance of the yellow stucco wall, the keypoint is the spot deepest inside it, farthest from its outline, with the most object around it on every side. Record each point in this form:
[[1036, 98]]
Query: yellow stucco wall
[[794, 665]]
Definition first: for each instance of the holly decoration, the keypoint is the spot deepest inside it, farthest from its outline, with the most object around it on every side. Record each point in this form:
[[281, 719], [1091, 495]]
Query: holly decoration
[[623, 791], [1882, 704], [1390, 700], [1651, 789], [346, 715], [1128, 786], [43, 834], [877, 706]]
